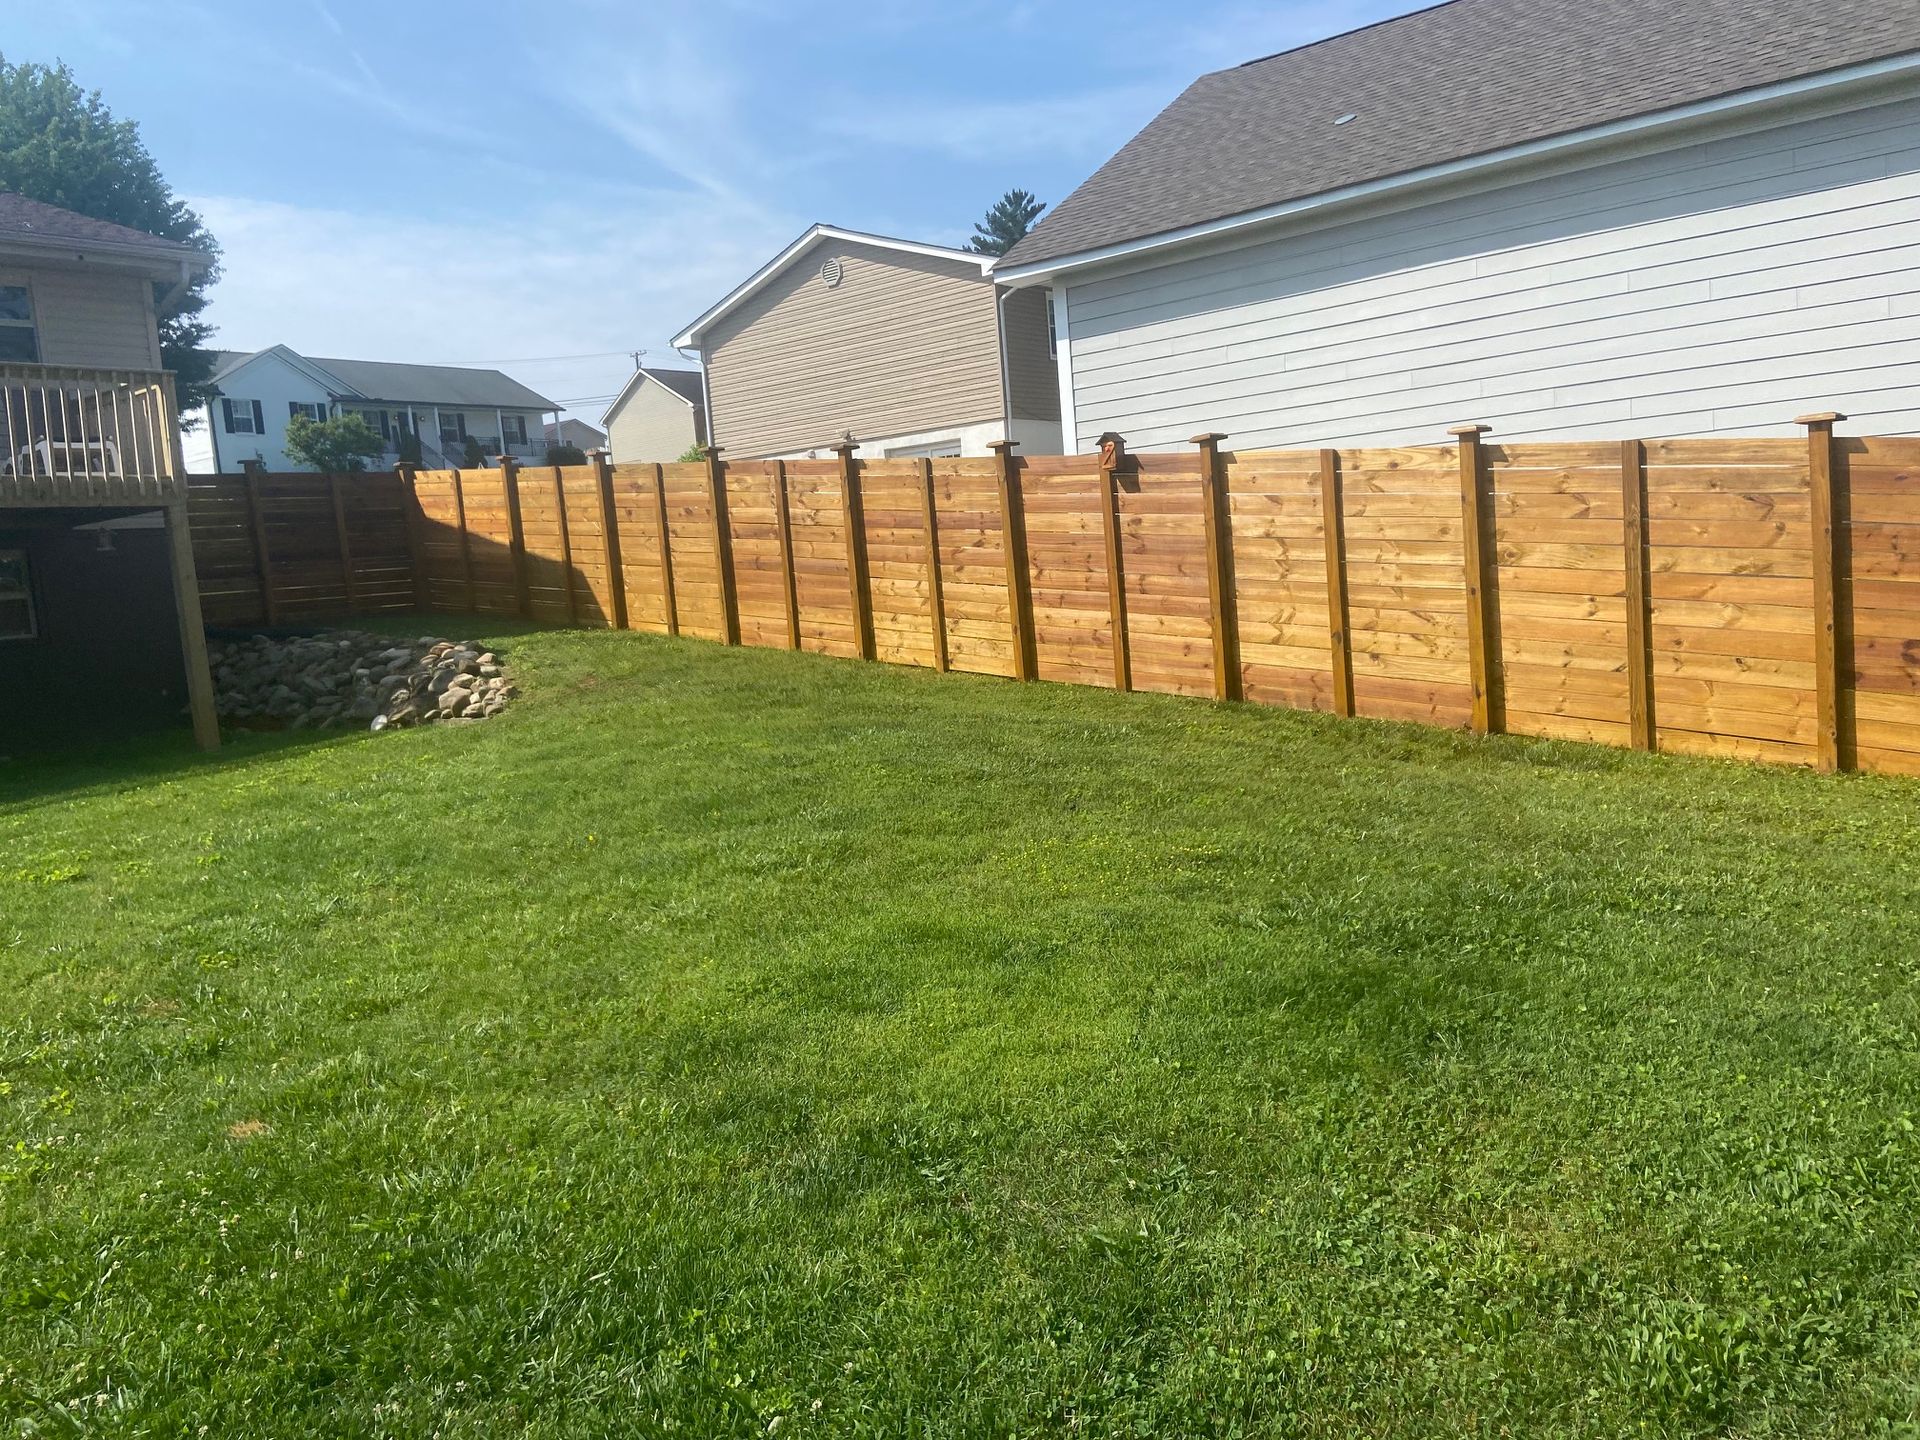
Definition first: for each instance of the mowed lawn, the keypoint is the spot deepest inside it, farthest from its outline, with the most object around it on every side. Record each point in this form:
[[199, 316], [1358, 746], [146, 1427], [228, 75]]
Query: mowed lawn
[[739, 1043]]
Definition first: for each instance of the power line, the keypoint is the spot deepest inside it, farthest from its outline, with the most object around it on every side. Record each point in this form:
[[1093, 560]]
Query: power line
[[540, 359]]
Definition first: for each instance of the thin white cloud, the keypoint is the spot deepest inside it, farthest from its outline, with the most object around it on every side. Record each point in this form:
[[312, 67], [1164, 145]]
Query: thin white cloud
[[562, 280]]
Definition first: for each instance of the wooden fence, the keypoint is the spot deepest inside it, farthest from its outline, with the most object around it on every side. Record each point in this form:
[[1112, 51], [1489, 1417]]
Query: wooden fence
[[1752, 598]]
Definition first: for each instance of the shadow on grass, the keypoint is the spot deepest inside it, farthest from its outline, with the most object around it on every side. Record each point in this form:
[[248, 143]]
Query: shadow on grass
[[46, 758], [36, 770]]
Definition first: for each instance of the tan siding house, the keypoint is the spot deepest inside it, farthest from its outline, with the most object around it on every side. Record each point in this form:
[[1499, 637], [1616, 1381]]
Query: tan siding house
[[658, 415], [90, 317], [897, 344]]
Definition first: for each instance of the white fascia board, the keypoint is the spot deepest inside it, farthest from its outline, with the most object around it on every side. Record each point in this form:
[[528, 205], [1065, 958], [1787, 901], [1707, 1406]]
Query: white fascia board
[[689, 338], [1039, 272]]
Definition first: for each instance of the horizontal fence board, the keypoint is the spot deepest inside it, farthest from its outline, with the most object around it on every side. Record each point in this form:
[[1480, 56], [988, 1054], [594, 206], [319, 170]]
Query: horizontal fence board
[[1727, 535]]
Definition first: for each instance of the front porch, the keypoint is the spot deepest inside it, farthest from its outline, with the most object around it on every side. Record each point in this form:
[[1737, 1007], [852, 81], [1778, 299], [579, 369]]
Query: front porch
[[80, 448]]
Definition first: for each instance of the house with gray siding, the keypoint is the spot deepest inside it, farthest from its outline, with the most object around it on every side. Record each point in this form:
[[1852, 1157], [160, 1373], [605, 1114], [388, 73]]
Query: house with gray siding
[[911, 349], [658, 415], [1564, 220]]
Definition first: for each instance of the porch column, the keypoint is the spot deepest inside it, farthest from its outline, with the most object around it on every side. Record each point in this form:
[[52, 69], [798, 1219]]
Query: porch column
[[193, 630]]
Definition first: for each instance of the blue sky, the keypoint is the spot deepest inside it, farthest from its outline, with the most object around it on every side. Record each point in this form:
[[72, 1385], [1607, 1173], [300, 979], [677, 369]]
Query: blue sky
[[506, 182]]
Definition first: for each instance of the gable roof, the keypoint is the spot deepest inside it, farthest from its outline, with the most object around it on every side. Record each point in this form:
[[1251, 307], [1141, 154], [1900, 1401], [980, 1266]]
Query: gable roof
[[38, 225], [1460, 79], [690, 336], [687, 386], [370, 380]]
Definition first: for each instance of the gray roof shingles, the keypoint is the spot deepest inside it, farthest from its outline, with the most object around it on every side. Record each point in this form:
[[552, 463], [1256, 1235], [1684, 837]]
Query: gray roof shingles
[[414, 384], [1445, 83], [34, 219], [684, 383]]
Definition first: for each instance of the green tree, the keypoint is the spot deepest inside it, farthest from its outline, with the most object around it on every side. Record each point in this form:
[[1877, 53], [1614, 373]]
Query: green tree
[[334, 447], [566, 455], [693, 454], [60, 145], [1007, 223]]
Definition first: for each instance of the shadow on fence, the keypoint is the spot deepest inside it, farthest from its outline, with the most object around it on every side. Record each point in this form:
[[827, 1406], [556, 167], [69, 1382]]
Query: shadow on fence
[[1757, 598]]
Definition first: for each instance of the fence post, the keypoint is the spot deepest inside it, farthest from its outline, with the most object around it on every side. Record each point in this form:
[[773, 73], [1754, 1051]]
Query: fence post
[[1633, 530], [783, 525], [1476, 545], [1113, 455], [571, 590], [666, 550], [516, 534], [411, 519], [1334, 532], [1013, 540], [339, 503], [255, 471], [858, 583], [723, 547], [936, 597], [1830, 561], [610, 540], [1219, 525]]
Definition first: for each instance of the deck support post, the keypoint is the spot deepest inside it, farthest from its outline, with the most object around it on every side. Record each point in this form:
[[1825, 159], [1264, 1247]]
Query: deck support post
[[193, 629]]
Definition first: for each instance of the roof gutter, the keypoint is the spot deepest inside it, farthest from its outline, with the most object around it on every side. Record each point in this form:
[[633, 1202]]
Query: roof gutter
[[1895, 67]]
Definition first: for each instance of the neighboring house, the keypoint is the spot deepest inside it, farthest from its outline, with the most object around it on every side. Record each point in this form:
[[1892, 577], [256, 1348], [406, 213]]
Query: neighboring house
[[895, 343], [1560, 218], [445, 405], [576, 433], [658, 415], [99, 610]]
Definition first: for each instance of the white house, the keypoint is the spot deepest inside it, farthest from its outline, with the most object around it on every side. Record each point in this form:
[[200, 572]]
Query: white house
[[1560, 218], [444, 405]]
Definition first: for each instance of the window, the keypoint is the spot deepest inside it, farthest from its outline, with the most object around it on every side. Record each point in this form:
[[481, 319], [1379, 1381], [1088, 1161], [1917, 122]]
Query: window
[[1053, 333], [16, 597], [513, 429], [378, 421], [453, 427], [316, 411], [243, 417], [18, 341]]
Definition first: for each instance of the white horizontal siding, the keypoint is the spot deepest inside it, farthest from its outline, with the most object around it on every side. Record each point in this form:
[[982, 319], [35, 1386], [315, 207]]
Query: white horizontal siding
[[1728, 284]]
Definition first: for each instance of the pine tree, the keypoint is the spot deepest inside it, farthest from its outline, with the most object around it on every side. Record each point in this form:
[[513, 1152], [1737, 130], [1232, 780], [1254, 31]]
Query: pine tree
[[60, 145], [1009, 220]]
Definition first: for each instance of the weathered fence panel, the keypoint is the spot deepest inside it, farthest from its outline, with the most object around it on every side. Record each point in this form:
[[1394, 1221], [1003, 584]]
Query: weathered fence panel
[[1749, 598]]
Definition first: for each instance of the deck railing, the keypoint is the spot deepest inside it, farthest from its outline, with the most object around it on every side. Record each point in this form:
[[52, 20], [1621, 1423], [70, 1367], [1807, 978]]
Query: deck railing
[[73, 435]]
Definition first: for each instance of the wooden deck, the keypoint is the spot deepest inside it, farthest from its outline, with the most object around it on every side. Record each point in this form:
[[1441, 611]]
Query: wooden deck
[[73, 436]]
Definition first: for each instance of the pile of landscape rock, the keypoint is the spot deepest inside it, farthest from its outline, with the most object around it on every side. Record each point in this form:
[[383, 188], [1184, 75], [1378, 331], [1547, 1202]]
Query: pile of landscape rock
[[348, 677]]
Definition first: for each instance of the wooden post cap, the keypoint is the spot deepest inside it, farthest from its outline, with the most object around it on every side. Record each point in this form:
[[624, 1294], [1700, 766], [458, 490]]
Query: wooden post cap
[[711, 452], [1212, 437], [1000, 447], [1468, 429], [844, 448], [1824, 417]]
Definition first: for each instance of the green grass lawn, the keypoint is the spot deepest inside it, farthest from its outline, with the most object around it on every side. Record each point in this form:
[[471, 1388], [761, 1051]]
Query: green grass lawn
[[732, 1043]]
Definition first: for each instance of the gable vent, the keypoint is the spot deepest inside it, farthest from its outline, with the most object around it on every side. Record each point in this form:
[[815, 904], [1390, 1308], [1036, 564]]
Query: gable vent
[[831, 273]]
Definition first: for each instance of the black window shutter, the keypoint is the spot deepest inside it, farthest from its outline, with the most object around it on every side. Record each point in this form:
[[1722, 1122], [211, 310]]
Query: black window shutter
[[294, 407], [259, 420], [226, 413]]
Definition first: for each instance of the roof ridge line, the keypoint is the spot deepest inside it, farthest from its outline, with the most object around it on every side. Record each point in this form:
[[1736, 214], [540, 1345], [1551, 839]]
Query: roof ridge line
[[1343, 34]]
